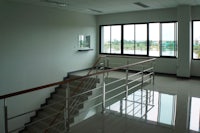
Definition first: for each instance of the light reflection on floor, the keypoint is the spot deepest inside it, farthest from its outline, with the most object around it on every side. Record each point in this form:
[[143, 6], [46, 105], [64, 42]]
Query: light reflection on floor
[[161, 107], [195, 114]]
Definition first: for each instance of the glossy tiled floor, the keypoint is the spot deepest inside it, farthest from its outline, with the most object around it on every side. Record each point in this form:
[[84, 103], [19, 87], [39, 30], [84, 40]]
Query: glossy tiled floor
[[177, 110]]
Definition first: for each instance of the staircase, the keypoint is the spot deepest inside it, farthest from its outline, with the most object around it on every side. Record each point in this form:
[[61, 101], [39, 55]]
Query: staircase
[[50, 117]]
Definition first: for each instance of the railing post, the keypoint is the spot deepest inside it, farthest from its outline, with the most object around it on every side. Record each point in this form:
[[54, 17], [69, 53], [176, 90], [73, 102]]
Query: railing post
[[107, 60], [66, 110], [146, 107], [126, 95], [121, 107], [5, 116], [153, 65], [103, 94], [142, 82]]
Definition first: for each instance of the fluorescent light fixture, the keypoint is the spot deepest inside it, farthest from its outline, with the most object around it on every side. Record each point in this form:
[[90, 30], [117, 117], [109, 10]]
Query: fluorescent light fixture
[[141, 4], [94, 10], [57, 2]]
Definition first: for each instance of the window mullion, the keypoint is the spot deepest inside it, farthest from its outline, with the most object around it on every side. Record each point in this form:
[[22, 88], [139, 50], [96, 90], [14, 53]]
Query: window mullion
[[134, 38], [110, 39], [122, 39], [148, 39], [160, 39]]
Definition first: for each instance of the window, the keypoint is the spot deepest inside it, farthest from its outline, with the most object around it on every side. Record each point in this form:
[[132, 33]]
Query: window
[[111, 39], [196, 39], [135, 39], [149, 39], [168, 39]]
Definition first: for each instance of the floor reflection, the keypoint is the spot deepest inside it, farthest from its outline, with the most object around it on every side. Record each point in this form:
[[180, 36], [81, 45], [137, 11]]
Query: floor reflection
[[173, 98], [148, 105], [195, 114]]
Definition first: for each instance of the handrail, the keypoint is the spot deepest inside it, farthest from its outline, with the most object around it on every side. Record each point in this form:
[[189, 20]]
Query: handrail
[[71, 79], [44, 86], [125, 56]]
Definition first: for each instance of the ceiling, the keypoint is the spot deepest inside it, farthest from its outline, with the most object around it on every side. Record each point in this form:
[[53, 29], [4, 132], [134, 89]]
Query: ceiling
[[97, 7]]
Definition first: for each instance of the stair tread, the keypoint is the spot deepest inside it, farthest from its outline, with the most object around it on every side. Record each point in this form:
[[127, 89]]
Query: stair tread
[[56, 103]]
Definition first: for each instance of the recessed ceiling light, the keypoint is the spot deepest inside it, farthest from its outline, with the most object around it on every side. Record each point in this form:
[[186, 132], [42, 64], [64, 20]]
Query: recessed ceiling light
[[141, 4]]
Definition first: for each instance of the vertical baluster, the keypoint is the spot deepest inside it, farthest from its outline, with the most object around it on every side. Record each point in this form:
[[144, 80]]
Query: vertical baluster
[[126, 94], [103, 94], [5, 116]]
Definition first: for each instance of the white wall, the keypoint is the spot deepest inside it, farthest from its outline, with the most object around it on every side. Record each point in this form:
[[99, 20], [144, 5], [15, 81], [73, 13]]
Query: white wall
[[163, 65], [39, 46]]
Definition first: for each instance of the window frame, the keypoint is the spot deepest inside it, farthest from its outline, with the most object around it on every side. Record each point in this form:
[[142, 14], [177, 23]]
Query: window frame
[[193, 40], [175, 39], [122, 52], [100, 39], [148, 45]]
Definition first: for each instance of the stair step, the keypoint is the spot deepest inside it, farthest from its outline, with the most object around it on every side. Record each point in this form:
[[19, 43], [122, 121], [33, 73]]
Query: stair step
[[36, 128], [61, 91], [78, 92], [46, 114], [58, 128], [56, 103], [84, 84], [58, 98], [57, 107], [40, 127]]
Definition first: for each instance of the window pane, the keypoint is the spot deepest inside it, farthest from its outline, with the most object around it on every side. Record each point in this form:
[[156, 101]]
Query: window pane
[[154, 38], [196, 40], [116, 39], [129, 39], [141, 39], [105, 39], [168, 39]]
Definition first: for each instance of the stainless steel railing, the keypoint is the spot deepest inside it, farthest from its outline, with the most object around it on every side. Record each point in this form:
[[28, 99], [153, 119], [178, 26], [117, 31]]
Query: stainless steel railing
[[108, 84]]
